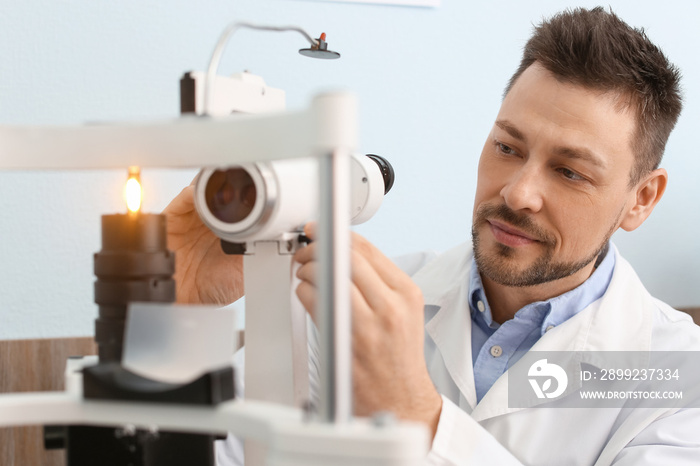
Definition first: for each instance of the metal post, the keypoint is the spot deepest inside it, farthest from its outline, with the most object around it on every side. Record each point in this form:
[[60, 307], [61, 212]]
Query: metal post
[[334, 311]]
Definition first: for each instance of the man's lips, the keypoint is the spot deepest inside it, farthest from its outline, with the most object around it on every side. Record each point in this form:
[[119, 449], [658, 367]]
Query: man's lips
[[510, 236]]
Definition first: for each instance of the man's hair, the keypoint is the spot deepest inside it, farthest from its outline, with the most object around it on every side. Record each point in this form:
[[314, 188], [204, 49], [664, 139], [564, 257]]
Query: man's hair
[[597, 50]]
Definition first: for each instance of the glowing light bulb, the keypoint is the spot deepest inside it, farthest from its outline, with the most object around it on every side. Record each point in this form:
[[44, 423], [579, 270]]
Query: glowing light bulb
[[133, 190]]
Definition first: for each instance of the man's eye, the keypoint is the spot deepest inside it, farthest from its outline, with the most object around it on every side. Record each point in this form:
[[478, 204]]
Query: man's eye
[[570, 174], [505, 149]]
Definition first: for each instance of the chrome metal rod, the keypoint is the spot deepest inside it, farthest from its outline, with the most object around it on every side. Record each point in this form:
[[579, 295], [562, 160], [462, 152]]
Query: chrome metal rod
[[334, 289]]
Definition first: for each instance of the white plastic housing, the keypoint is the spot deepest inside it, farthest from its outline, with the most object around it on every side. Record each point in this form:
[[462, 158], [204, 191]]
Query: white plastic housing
[[366, 188], [287, 193], [239, 93]]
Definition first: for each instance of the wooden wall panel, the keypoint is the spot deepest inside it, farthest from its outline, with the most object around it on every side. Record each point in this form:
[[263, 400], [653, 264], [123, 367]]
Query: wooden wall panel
[[694, 313], [34, 365]]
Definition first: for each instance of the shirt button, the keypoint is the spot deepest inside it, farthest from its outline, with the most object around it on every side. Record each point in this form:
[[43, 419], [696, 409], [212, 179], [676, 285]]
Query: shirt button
[[496, 351], [480, 306], [550, 327]]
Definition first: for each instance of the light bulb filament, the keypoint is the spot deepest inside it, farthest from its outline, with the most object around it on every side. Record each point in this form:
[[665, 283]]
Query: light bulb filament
[[133, 190]]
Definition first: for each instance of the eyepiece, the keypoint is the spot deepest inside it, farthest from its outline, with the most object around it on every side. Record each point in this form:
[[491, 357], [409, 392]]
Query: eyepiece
[[267, 200], [387, 171], [230, 194]]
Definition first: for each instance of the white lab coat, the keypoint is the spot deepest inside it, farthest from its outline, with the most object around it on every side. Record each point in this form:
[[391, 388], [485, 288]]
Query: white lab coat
[[626, 318]]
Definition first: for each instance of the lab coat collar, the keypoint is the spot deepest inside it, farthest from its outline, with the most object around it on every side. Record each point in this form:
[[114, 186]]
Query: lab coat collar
[[621, 320]]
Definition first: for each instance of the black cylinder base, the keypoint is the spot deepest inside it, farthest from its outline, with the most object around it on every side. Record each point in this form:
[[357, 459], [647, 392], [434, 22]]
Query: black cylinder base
[[134, 265]]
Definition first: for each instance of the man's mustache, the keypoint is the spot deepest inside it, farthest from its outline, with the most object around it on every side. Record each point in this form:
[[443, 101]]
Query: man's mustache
[[519, 221]]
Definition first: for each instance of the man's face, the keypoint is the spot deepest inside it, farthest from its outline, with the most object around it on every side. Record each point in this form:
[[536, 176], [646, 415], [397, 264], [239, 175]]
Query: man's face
[[553, 180]]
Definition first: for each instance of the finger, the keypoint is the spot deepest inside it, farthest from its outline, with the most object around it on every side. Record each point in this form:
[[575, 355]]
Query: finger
[[386, 270], [308, 272], [182, 203], [311, 230], [308, 296], [374, 285], [369, 283], [365, 332], [305, 254], [362, 315]]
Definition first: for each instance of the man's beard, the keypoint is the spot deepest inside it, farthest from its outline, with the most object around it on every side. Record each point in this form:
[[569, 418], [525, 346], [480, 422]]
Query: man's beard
[[496, 267]]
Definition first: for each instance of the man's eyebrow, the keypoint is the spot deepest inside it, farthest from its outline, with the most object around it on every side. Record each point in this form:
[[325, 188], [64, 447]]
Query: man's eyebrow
[[569, 152], [509, 128], [580, 153]]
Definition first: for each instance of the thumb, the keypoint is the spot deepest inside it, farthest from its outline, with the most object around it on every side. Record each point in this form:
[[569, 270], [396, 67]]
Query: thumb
[[311, 230]]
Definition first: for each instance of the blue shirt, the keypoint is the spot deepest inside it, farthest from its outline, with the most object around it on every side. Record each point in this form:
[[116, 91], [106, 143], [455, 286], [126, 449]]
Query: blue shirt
[[496, 347]]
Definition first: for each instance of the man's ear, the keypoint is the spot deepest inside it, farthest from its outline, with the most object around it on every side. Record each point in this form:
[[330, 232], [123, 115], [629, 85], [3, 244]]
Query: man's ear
[[648, 194]]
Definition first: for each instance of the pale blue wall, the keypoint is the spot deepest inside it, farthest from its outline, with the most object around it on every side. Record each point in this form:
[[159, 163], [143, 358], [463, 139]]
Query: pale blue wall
[[429, 83]]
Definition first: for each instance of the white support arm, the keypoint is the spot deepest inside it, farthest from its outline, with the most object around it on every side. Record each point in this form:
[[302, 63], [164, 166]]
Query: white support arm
[[188, 142], [291, 441]]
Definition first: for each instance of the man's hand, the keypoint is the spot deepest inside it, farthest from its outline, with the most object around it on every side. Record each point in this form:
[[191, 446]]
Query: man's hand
[[203, 272], [389, 371]]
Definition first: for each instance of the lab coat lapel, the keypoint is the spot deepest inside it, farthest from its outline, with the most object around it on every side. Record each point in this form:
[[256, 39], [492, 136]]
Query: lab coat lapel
[[619, 321], [445, 285]]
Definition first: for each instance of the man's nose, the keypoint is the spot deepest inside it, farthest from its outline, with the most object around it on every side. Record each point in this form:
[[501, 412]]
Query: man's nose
[[524, 189]]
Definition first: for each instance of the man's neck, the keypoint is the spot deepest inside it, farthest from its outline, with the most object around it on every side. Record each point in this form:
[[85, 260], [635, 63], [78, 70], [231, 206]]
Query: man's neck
[[505, 301]]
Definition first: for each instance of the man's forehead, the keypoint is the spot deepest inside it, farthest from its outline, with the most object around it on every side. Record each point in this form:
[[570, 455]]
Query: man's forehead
[[550, 84], [584, 123]]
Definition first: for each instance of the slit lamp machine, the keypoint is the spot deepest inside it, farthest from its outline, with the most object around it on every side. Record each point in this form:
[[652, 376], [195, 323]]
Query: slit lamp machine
[[266, 172]]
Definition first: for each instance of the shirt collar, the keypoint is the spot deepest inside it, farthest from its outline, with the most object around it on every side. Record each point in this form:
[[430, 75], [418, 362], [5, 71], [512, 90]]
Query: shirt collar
[[553, 311]]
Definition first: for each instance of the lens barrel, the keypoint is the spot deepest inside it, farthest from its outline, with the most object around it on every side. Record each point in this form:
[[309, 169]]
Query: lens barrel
[[230, 194]]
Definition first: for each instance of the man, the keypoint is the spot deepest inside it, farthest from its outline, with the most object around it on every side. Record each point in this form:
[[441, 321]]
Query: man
[[573, 155]]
